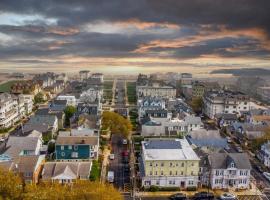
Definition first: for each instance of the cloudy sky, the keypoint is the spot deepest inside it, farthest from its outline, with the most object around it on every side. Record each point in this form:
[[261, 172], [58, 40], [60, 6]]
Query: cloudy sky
[[131, 36]]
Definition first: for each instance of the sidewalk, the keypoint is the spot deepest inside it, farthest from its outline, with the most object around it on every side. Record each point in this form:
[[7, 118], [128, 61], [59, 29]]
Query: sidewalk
[[250, 192]]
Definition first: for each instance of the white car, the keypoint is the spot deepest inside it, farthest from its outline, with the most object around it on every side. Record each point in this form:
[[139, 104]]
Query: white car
[[227, 196], [124, 141], [267, 175], [111, 156]]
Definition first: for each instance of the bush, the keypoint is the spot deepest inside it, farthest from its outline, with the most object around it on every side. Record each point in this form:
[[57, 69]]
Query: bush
[[192, 188], [95, 171], [153, 188], [169, 189]]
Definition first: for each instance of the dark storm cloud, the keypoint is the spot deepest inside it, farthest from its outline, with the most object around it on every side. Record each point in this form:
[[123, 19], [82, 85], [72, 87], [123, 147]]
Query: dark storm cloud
[[242, 28], [233, 13]]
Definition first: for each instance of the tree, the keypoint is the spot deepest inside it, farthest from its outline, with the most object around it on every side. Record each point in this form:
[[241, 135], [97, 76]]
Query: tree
[[197, 104], [39, 98], [256, 143], [95, 171], [116, 123], [78, 190], [11, 185], [69, 112]]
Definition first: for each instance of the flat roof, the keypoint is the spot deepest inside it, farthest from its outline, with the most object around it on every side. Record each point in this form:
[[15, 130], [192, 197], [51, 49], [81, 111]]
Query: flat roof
[[168, 149]]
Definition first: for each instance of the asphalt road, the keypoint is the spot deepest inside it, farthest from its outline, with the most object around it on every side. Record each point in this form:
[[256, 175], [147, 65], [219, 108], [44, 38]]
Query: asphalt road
[[121, 177]]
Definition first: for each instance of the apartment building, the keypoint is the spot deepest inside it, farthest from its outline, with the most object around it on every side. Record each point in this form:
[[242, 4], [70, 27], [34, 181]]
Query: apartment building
[[9, 112], [218, 102], [169, 163], [155, 88]]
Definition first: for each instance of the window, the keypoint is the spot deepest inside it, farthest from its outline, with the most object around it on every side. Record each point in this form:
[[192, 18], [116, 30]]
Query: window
[[161, 173], [183, 164], [69, 147], [75, 147], [150, 164], [190, 182], [63, 154], [171, 164], [170, 173], [156, 173], [162, 164], [151, 173], [182, 173], [62, 147], [157, 182], [156, 164], [176, 173]]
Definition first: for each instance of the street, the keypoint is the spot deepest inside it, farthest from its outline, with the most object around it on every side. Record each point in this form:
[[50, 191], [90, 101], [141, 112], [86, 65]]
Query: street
[[121, 169]]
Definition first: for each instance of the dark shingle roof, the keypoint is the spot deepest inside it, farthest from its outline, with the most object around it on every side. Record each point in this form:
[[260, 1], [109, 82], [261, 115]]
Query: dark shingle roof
[[222, 160]]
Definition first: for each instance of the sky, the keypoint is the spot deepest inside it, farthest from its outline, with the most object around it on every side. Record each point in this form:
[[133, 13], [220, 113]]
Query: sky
[[132, 36]]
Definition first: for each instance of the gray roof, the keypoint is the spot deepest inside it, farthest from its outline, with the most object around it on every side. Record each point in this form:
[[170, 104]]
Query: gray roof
[[70, 140], [223, 160], [16, 145], [43, 119], [74, 169], [162, 144]]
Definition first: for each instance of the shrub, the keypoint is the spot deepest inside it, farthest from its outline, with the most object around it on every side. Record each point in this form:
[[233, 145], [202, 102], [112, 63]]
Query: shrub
[[191, 188], [153, 188]]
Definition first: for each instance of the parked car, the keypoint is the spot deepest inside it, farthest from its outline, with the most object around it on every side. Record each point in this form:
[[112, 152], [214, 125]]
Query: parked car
[[110, 176], [227, 196], [124, 141], [239, 149], [229, 140], [125, 153], [125, 160], [204, 196], [111, 156], [178, 196], [266, 175]]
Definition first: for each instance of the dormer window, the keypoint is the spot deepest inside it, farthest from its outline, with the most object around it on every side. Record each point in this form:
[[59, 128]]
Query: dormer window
[[232, 165]]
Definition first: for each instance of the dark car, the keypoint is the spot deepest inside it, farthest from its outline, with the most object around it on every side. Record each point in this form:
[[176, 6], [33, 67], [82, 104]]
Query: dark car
[[203, 196], [178, 196], [259, 168]]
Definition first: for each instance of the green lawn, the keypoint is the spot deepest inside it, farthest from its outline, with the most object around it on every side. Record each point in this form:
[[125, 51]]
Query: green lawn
[[131, 92], [5, 87]]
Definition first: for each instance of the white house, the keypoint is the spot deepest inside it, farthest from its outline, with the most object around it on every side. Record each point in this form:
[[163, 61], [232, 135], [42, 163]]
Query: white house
[[264, 154], [66, 172], [227, 170], [156, 127]]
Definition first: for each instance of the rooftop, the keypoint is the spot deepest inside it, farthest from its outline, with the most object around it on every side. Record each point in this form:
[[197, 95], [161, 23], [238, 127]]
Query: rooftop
[[177, 149]]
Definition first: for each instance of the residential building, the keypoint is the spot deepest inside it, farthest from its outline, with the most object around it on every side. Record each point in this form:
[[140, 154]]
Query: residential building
[[9, 113], [225, 102], [74, 147], [226, 119], [46, 79], [25, 87], [154, 88], [170, 126], [71, 99], [227, 171], [28, 103], [264, 154], [199, 88], [22, 146], [66, 172], [98, 76], [169, 163], [50, 120], [84, 74], [149, 103]]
